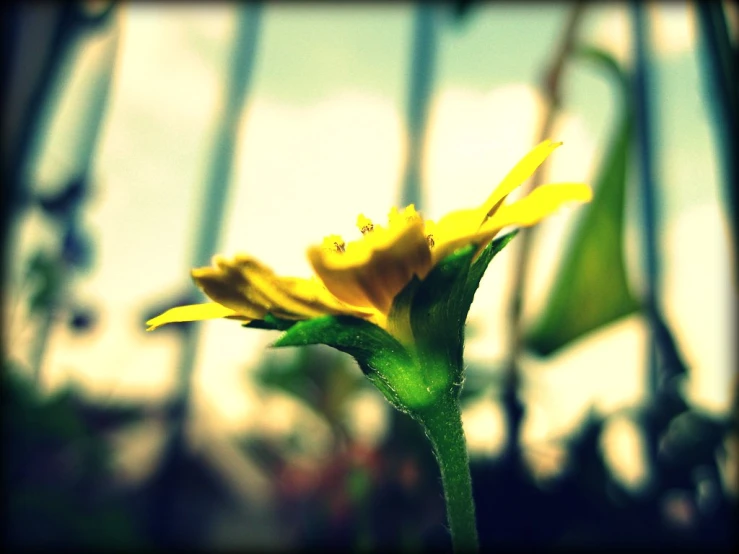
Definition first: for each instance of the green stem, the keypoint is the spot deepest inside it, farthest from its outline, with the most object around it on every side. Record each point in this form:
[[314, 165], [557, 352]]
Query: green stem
[[443, 425]]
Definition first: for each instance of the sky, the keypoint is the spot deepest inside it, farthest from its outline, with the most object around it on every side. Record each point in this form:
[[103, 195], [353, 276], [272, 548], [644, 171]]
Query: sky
[[321, 140]]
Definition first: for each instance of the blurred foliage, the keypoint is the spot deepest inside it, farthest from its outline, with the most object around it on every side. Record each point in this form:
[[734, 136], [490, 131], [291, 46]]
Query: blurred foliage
[[57, 472], [358, 496], [372, 496], [60, 490], [319, 377], [61, 487], [380, 495], [43, 276], [591, 288], [693, 437], [45, 270]]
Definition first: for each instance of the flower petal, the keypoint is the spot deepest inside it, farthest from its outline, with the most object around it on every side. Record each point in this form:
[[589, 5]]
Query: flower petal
[[192, 312], [520, 172], [377, 267], [542, 201], [251, 288], [525, 212], [229, 287], [467, 222], [481, 237]]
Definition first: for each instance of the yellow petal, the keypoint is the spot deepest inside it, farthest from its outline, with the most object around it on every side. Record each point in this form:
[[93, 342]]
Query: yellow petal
[[467, 222], [375, 269], [459, 223], [228, 286], [252, 289], [520, 172], [444, 249], [296, 298], [543, 201], [525, 212], [193, 312]]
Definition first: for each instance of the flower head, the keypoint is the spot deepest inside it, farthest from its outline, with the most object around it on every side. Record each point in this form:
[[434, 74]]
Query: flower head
[[363, 278], [396, 300]]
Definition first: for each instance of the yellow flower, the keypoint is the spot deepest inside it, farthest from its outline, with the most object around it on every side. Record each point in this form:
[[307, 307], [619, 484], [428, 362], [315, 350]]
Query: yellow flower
[[361, 278]]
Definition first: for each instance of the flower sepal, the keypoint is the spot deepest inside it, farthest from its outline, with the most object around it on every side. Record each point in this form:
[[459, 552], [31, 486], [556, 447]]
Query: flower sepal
[[430, 314]]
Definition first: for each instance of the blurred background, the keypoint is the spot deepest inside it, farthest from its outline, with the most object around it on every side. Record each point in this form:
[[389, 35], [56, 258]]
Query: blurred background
[[140, 139]]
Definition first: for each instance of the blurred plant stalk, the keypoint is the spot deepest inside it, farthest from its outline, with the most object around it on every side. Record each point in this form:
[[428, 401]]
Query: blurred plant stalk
[[551, 87], [644, 92]]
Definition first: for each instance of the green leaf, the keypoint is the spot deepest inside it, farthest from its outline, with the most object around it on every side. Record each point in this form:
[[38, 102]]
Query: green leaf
[[386, 362], [591, 288], [609, 63]]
